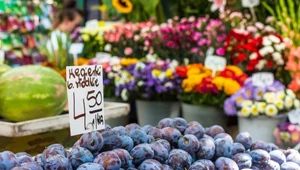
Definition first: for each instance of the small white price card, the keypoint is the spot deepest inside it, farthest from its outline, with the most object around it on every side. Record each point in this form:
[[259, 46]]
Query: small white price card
[[215, 63], [294, 116], [85, 98], [103, 57], [250, 3], [262, 79], [76, 48]]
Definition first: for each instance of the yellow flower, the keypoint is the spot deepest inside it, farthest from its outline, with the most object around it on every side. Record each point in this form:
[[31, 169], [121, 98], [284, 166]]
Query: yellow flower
[[279, 104], [295, 137], [280, 95], [128, 61], [245, 111], [193, 71], [254, 110], [271, 110], [261, 106], [235, 69], [156, 73], [103, 7], [219, 82], [231, 86], [169, 73], [189, 84], [85, 37], [122, 6]]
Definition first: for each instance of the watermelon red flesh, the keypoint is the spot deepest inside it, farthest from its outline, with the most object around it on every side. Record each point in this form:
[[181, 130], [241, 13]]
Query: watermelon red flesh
[[31, 92]]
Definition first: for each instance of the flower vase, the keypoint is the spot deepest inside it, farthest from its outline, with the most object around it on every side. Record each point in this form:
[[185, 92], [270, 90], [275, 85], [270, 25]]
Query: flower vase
[[261, 127], [151, 112], [205, 115]]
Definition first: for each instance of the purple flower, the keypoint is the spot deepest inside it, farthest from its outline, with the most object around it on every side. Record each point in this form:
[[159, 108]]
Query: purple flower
[[229, 107], [106, 81], [258, 93], [238, 98], [247, 92], [275, 87]]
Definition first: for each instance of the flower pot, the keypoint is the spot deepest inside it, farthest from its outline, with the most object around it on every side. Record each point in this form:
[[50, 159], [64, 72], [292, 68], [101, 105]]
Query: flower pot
[[151, 112], [260, 128], [205, 115]]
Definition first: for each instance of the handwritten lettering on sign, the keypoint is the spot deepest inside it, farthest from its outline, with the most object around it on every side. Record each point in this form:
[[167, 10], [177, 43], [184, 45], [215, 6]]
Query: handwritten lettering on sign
[[262, 79], [85, 98]]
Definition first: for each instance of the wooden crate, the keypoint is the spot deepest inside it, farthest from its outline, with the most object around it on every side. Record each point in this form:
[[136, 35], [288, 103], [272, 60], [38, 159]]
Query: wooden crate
[[34, 135]]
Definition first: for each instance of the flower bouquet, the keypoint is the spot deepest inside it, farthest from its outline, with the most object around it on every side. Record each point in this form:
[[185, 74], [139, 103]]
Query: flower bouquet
[[154, 84], [203, 95], [287, 134], [201, 88], [259, 109]]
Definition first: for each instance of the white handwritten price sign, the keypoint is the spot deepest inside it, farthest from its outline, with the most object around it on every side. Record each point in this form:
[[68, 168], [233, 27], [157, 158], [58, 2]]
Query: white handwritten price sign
[[250, 3], [294, 116], [262, 79], [85, 98], [215, 63]]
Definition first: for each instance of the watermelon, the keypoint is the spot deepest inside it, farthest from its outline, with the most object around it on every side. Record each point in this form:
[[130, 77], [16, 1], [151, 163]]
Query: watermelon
[[31, 92], [4, 68]]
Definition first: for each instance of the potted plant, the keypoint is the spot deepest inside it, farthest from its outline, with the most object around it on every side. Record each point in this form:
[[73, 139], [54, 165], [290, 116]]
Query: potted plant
[[259, 109], [287, 135], [203, 95], [154, 85]]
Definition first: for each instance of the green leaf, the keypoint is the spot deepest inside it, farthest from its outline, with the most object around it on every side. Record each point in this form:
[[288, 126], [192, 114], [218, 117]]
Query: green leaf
[[149, 6]]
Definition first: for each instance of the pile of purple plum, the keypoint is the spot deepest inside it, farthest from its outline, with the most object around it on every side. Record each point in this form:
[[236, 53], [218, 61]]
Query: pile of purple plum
[[173, 144]]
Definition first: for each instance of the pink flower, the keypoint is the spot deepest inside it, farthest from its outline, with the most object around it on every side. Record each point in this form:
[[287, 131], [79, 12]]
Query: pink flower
[[128, 51], [136, 37], [202, 42], [220, 51], [170, 44], [194, 50], [236, 15], [218, 4]]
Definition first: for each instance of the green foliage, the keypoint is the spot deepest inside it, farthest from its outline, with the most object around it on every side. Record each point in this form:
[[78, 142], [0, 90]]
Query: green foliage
[[203, 99]]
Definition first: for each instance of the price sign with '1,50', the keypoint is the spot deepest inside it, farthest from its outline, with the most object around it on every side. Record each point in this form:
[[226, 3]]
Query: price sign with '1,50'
[[85, 98]]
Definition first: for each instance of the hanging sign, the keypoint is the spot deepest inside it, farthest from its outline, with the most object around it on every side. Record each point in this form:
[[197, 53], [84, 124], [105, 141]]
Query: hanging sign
[[262, 79], [250, 3], [215, 63], [85, 98]]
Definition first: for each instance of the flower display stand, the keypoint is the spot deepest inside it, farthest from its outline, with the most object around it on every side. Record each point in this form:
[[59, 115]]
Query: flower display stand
[[260, 128], [205, 115], [34, 135], [150, 112]]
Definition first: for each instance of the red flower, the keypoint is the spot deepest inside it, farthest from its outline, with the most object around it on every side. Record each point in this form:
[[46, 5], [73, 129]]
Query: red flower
[[242, 78], [227, 73], [242, 57], [269, 64], [181, 71], [206, 86]]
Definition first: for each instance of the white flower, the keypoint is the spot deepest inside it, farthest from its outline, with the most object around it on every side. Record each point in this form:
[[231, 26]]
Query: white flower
[[151, 58], [297, 103], [253, 56], [251, 29], [162, 76], [191, 18], [140, 83], [259, 25], [155, 28], [279, 47], [266, 41], [261, 64], [270, 49], [173, 64], [116, 68], [276, 56], [261, 106], [274, 39], [186, 61], [254, 110], [246, 103], [140, 65], [271, 110], [269, 29], [288, 102], [280, 95], [290, 93], [279, 104], [280, 62], [110, 75], [124, 94], [269, 97], [245, 112], [107, 47], [264, 51], [168, 84]]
